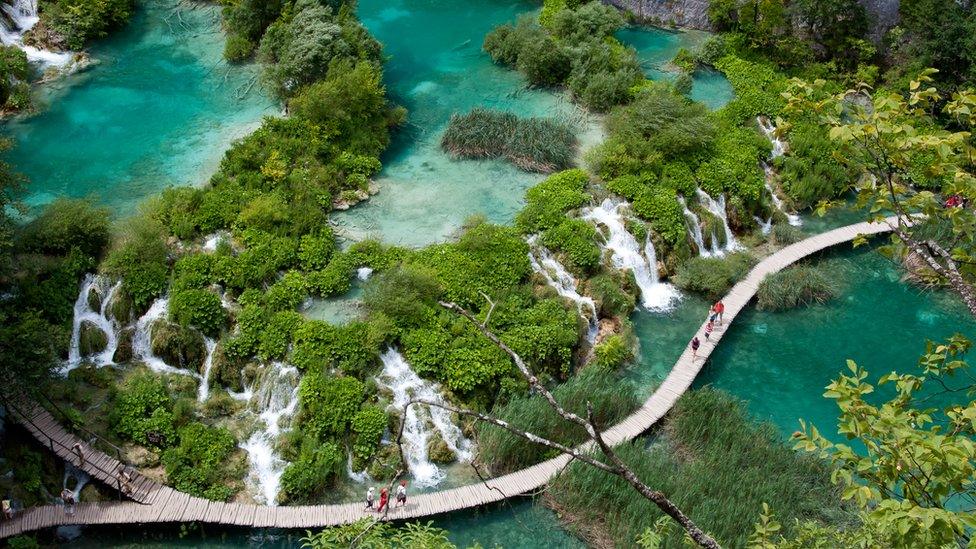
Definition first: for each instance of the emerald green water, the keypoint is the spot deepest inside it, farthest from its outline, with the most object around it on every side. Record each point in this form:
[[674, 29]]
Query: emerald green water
[[436, 68], [159, 109]]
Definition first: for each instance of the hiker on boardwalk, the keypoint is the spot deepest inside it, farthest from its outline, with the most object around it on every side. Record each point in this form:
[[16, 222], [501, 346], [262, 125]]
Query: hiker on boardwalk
[[68, 497], [708, 329], [370, 498], [384, 499], [80, 453], [8, 509], [695, 344], [401, 494], [124, 479], [717, 312]]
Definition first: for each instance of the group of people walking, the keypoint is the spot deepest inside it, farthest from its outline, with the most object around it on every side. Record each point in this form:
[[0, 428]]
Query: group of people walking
[[714, 319], [401, 497]]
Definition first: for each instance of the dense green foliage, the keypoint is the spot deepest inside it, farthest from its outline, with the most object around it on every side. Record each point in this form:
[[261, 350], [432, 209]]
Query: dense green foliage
[[716, 465], [504, 452], [533, 144], [370, 534], [574, 47], [713, 276], [794, 287], [547, 202], [72, 24], [14, 74], [198, 464]]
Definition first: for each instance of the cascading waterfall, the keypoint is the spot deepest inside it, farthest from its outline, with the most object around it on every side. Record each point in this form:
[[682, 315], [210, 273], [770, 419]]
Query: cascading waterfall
[[84, 313], [20, 16], [717, 208], [276, 400], [203, 391], [142, 340], [80, 478], [769, 130], [360, 477], [626, 254], [405, 384], [363, 273], [791, 218], [764, 226], [565, 285], [694, 228]]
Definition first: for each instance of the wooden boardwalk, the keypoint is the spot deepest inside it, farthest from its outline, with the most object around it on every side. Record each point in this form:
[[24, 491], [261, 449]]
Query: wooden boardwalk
[[155, 503]]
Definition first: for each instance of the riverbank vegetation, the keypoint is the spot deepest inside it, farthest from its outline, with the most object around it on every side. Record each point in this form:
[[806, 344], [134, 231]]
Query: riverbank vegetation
[[795, 287], [541, 145], [73, 24]]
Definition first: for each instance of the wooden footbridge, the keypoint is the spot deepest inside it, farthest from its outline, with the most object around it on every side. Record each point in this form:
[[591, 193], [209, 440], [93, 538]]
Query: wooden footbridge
[[152, 502]]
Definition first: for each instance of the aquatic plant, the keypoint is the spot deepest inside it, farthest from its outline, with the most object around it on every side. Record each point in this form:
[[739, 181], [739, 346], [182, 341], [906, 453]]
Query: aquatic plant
[[533, 144], [795, 287], [713, 276]]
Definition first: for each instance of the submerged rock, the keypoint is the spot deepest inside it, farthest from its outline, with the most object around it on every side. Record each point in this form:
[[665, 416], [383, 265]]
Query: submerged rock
[[178, 346], [91, 339], [438, 451], [121, 307]]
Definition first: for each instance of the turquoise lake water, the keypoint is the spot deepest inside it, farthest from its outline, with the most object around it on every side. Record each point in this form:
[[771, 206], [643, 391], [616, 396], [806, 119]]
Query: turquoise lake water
[[159, 109]]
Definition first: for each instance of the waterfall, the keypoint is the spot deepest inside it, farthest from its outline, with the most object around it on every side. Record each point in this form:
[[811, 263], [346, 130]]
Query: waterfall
[[276, 400], [18, 17], [768, 129], [565, 285], [80, 477], [406, 385], [359, 477], [696, 232], [203, 391], [717, 208], [211, 242], [142, 340], [791, 218], [764, 226], [626, 255], [363, 273], [84, 313]]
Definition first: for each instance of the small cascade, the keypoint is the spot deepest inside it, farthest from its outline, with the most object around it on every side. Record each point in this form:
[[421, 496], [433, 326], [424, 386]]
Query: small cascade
[[142, 340], [717, 208], [276, 400], [626, 254], [565, 285], [694, 229], [20, 16], [211, 242], [663, 294], [791, 218], [363, 273], [764, 226], [360, 477], [84, 313], [405, 384], [768, 129], [203, 391]]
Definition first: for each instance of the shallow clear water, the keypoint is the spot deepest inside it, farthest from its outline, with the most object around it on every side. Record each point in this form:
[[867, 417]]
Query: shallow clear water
[[437, 68], [159, 109], [781, 362]]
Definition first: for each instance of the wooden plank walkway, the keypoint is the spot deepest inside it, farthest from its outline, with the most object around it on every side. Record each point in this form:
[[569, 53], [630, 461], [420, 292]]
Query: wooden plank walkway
[[156, 503]]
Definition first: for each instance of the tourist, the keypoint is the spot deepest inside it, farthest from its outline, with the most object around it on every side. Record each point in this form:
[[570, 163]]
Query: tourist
[[370, 497], [708, 329], [125, 480], [401, 494], [695, 344], [8, 509], [384, 499], [81, 455], [719, 311], [68, 497]]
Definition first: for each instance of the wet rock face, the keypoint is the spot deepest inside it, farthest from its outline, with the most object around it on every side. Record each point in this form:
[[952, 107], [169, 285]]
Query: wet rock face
[[438, 451], [123, 352], [692, 14], [178, 346], [91, 339]]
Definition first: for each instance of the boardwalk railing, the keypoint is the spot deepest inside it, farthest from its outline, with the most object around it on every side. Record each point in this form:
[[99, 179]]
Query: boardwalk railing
[[159, 503]]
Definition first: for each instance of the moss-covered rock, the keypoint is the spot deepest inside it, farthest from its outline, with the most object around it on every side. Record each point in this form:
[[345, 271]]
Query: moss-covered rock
[[226, 369], [386, 463], [121, 307], [178, 346], [438, 451], [94, 300], [91, 339], [123, 351]]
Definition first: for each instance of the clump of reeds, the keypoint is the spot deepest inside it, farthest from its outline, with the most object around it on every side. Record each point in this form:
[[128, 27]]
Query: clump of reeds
[[795, 287], [541, 145]]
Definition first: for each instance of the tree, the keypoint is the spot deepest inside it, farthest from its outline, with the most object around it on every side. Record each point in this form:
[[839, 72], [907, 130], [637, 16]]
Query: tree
[[584, 453], [881, 135], [911, 471]]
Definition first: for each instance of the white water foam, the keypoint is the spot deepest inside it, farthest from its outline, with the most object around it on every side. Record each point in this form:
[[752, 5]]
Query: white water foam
[[203, 391], [694, 229], [768, 129], [717, 208], [20, 16], [276, 401], [564, 283], [626, 255], [406, 385], [106, 292], [142, 340]]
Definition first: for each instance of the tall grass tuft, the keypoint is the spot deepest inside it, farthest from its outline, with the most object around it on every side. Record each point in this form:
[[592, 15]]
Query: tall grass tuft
[[540, 145], [715, 464], [713, 276], [795, 287], [504, 452]]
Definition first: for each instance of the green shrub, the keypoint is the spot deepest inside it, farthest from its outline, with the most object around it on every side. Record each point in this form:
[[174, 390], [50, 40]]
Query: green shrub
[[328, 404], [78, 22], [139, 258], [142, 405], [287, 293], [504, 452], [306, 480], [315, 251], [713, 276], [406, 294], [575, 240], [794, 287], [586, 21], [612, 353], [238, 48], [193, 272], [334, 279], [200, 309], [68, 223], [785, 234], [198, 464], [368, 426], [610, 298], [547, 202]]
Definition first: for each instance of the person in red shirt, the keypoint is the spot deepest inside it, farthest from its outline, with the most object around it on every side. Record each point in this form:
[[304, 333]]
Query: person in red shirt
[[719, 309], [384, 499]]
